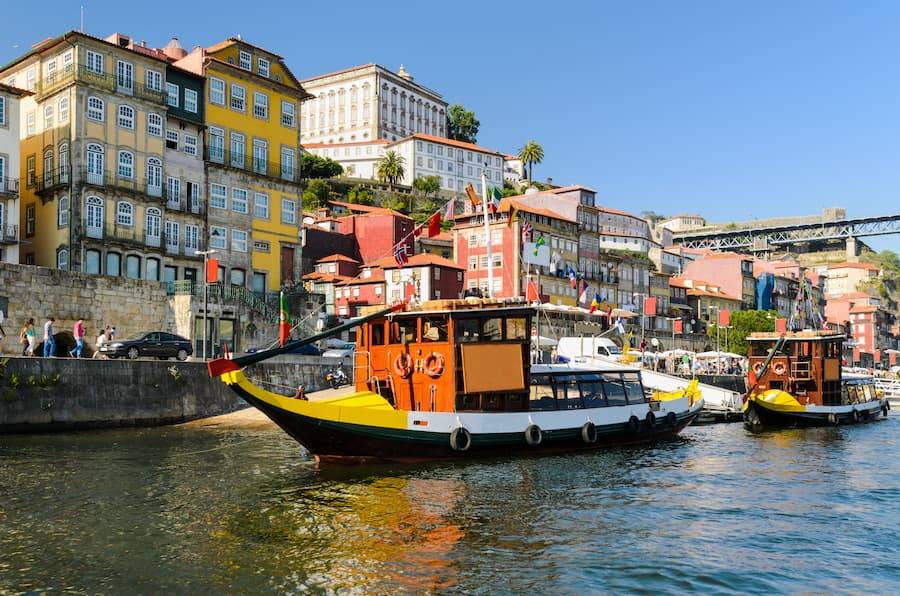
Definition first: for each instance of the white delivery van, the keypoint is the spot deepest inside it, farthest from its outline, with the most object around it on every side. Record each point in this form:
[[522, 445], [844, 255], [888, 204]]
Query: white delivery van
[[588, 347]]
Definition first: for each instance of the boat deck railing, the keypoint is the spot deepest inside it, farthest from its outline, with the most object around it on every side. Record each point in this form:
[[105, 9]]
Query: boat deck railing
[[889, 387], [800, 369]]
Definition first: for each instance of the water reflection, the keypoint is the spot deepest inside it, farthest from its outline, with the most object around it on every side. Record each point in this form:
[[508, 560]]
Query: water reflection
[[244, 510]]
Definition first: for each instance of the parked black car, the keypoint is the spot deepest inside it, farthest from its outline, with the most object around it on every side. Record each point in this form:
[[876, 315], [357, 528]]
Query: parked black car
[[154, 344]]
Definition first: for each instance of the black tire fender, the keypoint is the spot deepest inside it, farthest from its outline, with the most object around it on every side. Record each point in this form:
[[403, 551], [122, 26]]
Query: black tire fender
[[460, 439], [855, 415], [533, 435], [650, 421], [589, 432], [832, 419], [672, 420], [633, 425]]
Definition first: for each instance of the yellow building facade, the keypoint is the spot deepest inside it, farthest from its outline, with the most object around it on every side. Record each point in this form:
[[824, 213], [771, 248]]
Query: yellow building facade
[[252, 161], [92, 155]]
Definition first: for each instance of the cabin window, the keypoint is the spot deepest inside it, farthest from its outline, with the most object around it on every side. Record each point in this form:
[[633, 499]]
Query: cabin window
[[615, 389], [434, 329], [758, 349], [541, 397], [467, 330], [568, 395], [633, 388], [515, 328], [492, 330], [592, 391], [378, 334], [403, 331]]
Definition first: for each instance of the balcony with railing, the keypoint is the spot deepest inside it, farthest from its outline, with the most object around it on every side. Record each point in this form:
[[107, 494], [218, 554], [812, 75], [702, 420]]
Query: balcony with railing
[[9, 187], [9, 234], [107, 180], [52, 180], [248, 163], [185, 205], [106, 81]]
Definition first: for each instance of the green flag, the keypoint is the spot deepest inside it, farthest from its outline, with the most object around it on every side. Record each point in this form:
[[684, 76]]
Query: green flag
[[540, 242]]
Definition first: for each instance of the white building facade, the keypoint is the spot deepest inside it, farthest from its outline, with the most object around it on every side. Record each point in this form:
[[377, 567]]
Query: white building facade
[[10, 114], [357, 158], [455, 163], [370, 102]]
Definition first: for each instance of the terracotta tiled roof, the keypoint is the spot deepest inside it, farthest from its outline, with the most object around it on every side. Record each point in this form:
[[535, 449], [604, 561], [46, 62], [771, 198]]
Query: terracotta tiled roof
[[442, 237], [571, 188], [507, 203], [14, 90], [863, 308], [848, 265], [451, 142], [693, 290], [419, 260], [335, 258], [368, 209]]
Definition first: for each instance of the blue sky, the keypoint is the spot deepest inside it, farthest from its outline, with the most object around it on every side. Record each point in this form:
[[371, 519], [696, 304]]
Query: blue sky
[[732, 110]]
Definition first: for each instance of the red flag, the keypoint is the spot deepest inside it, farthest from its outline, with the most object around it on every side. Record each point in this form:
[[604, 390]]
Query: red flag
[[531, 292], [856, 354], [781, 325], [417, 231], [678, 326], [650, 307], [212, 271], [409, 291], [877, 356], [434, 225], [892, 358], [284, 327], [724, 318]]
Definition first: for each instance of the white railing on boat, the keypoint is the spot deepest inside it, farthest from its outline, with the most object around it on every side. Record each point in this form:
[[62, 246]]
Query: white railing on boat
[[889, 387]]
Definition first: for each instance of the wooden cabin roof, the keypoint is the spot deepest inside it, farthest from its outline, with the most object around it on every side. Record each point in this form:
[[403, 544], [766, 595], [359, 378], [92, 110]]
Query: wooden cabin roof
[[805, 335]]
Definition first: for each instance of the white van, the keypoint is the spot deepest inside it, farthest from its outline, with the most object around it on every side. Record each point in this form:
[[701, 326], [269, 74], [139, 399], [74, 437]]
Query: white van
[[588, 347]]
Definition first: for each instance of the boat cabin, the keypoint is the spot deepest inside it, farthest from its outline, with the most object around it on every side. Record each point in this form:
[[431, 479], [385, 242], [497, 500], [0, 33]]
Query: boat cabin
[[474, 355], [807, 365]]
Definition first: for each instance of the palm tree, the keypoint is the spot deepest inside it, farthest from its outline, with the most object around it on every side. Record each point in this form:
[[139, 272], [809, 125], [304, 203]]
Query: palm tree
[[390, 168], [531, 154]]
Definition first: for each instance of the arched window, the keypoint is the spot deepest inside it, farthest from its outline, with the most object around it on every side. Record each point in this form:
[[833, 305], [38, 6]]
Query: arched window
[[126, 165], [154, 177], [95, 108], [93, 217], [63, 110], [154, 125], [133, 266], [113, 264], [125, 214], [62, 212], [62, 259], [63, 162], [151, 226], [48, 167], [126, 117], [95, 164]]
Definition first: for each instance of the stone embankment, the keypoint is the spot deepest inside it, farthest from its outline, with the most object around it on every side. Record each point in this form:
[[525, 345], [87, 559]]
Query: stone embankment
[[38, 394]]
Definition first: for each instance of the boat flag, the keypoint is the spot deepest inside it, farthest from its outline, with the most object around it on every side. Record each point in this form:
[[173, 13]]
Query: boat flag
[[417, 231], [448, 210], [609, 316], [620, 327], [494, 197], [540, 242], [400, 254], [573, 276], [531, 292], [526, 230], [284, 328], [513, 212], [434, 225], [582, 298], [212, 271], [595, 303], [473, 197]]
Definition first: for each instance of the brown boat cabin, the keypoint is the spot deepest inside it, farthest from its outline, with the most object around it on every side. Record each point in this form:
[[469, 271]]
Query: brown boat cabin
[[807, 365], [450, 355]]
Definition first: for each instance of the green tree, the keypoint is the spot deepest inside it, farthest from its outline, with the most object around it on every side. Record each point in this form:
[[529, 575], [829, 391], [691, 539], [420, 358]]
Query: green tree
[[394, 201], [313, 166], [462, 124], [316, 194], [360, 196], [427, 185], [509, 189], [531, 154], [743, 323], [652, 216], [390, 168]]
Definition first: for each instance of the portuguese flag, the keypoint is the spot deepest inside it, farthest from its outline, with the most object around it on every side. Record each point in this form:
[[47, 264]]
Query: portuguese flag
[[284, 328]]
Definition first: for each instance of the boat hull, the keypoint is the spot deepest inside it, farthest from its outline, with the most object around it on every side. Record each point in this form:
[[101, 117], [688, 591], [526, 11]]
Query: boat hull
[[781, 413], [343, 442]]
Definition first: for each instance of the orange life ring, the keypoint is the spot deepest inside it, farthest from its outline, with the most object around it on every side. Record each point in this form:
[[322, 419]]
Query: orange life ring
[[403, 365], [779, 368], [434, 365], [757, 368]]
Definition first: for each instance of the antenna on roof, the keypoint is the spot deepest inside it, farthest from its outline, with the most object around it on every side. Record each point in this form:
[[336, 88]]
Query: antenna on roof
[[82, 18]]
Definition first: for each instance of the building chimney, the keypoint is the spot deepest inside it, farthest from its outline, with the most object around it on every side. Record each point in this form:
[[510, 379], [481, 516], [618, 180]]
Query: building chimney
[[174, 50]]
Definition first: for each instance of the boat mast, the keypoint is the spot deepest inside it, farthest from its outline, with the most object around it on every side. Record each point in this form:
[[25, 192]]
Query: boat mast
[[487, 234]]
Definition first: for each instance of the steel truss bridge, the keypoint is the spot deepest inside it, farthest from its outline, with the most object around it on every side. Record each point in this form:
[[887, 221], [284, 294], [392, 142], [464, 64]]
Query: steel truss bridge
[[764, 239]]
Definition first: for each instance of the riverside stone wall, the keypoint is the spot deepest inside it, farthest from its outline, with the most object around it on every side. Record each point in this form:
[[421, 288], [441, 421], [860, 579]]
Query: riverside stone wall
[[48, 394], [132, 305]]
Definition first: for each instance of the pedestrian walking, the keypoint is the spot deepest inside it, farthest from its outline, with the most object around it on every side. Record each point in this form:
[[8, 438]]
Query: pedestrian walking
[[78, 334], [101, 340], [26, 338], [49, 342]]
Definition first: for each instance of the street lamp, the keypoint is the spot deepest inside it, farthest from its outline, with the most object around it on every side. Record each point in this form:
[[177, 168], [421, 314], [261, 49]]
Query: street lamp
[[205, 254]]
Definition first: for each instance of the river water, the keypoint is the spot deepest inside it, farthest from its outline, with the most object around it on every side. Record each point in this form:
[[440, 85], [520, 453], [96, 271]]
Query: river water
[[184, 509]]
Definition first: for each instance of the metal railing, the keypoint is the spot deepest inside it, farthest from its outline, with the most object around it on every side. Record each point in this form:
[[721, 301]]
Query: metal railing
[[108, 180], [106, 81], [9, 186], [800, 369], [264, 303], [52, 179], [9, 234], [246, 162]]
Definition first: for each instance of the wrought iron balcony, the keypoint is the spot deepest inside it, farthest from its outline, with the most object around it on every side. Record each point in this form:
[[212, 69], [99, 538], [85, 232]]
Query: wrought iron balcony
[[106, 81], [9, 187], [53, 179], [9, 234], [246, 162], [107, 180]]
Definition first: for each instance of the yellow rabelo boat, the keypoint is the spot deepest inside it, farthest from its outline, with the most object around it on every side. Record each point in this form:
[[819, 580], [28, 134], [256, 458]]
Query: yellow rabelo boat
[[452, 379], [795, 380]]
